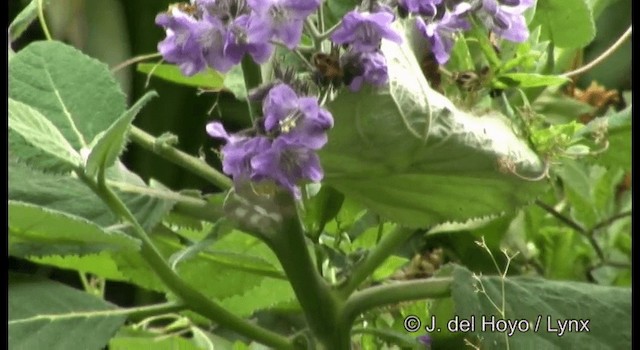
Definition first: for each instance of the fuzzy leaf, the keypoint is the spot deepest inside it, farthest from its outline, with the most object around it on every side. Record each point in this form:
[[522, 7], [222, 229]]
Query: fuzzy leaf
[[52, 77], [109, 145], [100, 264], [41, 133], [407, 153], [267, 294], [606, 309], [35, 230], [48, 315], [68, 194], [568, 23]]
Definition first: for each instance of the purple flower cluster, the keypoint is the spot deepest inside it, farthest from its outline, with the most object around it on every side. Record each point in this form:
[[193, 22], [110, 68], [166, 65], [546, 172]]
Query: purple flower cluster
[[218, 33], [363, 32], [284, 151], [440, 23]]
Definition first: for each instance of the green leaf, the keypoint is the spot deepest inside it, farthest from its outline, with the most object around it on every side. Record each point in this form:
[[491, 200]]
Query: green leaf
[[240, 261], [606, 309], [234, 82], [525, 80], [557, 108], [24, 19], [35, 230], [568, 23], [267, 294], [48, 315], [41, 133], [109, 145], [408, 154], [564, 252], [52, 78], [129, 339], [68, 194], [617, 127], [100, 264], [322, 208], [209, 79]]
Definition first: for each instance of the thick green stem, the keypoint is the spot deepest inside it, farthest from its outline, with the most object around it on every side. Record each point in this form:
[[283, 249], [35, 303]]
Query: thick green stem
[[321, 306], [395, 293], [191, 297], [377, 256], [252, 79], [193, 164]]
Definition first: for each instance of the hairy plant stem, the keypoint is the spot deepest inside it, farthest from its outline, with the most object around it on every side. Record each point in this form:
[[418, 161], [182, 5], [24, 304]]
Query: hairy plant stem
[[396, 292], [194, 300], [141, 312], [626, 35], [321, 305], [252, 79], [43, 22], [135, 59], [574, 225], [377, 256], [172, 154]]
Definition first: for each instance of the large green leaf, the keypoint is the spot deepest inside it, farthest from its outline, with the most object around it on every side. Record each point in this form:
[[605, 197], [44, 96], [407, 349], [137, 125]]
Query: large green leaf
[[109, 145], [541, 303], [41, 133], [68, 194], [35, 230], [52, 77], [411, 156], [48, 315], [209, 79], [568, 23]]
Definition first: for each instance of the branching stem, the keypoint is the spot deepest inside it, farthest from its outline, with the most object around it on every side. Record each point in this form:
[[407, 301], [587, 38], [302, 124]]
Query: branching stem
[[172, 154], [626, 35]]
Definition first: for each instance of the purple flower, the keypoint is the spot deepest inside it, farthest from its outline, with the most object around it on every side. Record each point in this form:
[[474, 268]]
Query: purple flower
[[371, 68], [425, 340], [236, 44], [212, 35], [420, 7], [279, 19], [504, 17], [181, 46], [440, 33], [286, 163], [299, 120], [238, 151], [365, 31], [281, 151]]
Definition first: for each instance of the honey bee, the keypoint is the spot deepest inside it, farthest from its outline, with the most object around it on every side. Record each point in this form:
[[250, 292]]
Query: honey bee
[[327, 68], [471, 81], [187, 8]]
